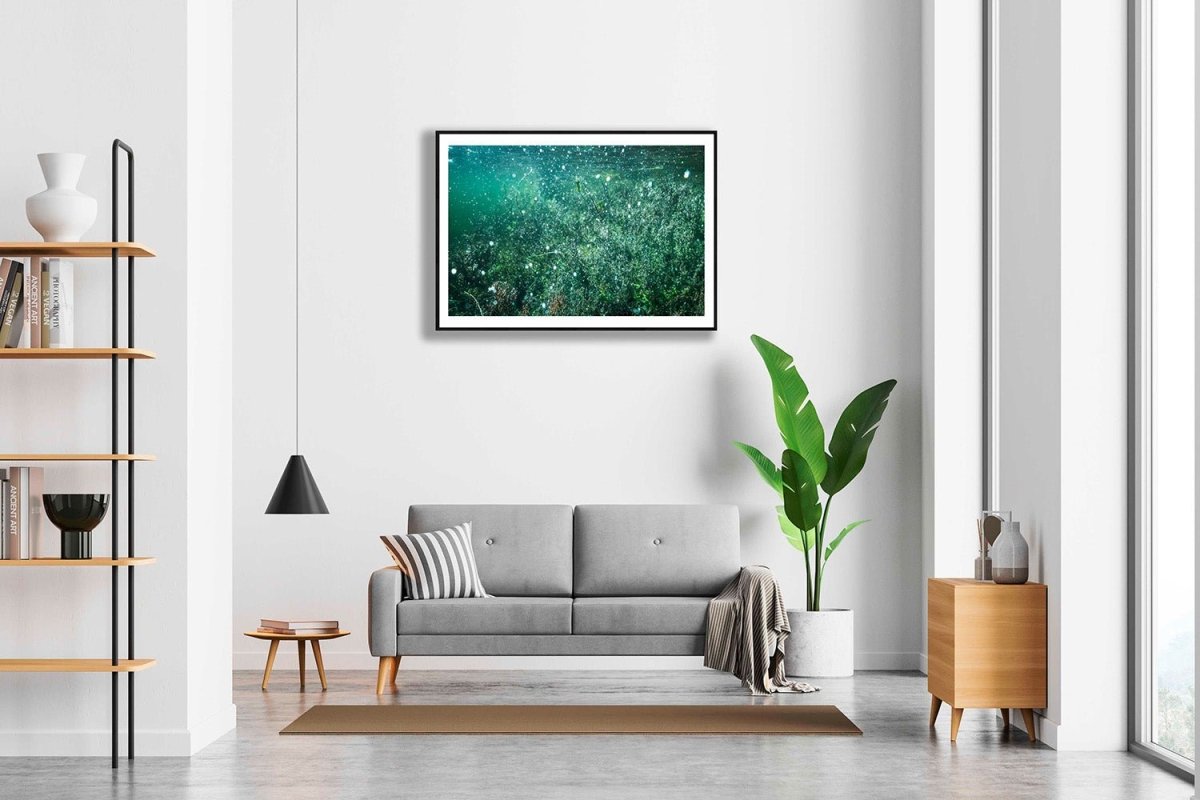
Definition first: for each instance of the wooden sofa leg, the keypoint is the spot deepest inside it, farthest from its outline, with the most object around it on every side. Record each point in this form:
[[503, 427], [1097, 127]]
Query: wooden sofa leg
[[387, 672], [395, 669]]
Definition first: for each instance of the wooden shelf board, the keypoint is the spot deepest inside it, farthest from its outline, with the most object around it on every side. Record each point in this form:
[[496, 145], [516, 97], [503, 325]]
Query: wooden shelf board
[[9, 458], [77, 353], [74, 249], [74, 664], [127, 561]]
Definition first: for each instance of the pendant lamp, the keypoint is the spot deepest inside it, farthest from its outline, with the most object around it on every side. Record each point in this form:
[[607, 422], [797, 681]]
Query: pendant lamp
[[297, 491]]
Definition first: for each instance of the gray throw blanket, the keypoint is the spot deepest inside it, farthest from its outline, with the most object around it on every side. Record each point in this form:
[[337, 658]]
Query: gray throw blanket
[[747, 626]]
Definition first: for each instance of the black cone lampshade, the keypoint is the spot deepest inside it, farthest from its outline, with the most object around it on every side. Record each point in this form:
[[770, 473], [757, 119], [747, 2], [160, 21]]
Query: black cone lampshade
[[297, 492]]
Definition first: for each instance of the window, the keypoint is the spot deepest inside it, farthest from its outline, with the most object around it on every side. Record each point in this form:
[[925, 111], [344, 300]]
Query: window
[[1164, 445]]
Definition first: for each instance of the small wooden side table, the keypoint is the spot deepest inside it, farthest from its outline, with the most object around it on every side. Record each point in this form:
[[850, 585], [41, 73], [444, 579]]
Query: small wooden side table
[[987, 648], [314, 639]]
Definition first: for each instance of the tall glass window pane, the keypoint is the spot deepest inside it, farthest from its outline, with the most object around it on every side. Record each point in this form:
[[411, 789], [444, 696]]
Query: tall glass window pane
[[1172, 364]]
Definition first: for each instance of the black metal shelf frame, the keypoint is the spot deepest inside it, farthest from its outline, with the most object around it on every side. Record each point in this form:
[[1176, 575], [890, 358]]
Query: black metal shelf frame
[[117, 148]]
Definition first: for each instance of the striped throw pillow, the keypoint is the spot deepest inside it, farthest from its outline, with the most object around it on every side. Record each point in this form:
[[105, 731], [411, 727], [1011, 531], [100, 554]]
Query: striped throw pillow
[[437, 565]]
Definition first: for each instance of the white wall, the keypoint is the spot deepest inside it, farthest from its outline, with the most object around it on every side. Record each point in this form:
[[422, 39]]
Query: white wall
[[91, 72], [818, 109], [1062, 310], [1028, 254], [210, 365]]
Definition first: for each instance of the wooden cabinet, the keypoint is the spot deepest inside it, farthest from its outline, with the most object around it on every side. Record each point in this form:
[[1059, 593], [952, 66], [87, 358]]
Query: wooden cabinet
[[987, 648]]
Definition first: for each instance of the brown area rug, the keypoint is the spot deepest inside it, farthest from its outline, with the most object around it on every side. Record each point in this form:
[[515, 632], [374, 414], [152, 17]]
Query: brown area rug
[[568, 719]]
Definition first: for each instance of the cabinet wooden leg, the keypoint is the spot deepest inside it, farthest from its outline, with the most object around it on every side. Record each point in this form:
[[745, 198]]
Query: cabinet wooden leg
[[386, 670], [300, 651], [1004, 715], [1027, 715], [316, 646], [935, 705], [955, 720], [270, 663], [395, 669]]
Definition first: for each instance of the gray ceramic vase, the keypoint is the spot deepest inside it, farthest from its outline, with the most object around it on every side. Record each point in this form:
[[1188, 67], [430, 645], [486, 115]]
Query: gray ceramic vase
[[1010, 555]]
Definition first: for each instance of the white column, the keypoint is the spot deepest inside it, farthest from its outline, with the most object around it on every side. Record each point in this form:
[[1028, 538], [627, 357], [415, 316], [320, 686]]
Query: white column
[[1093, 575], [952, 286]]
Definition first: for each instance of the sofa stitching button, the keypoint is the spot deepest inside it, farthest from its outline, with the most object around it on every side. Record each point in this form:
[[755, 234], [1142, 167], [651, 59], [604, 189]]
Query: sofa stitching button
[[489, 541], [658, 541]]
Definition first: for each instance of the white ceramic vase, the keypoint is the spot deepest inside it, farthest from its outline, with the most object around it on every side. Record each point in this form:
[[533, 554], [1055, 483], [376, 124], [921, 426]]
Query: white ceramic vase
[[61, 213], [821, 644], [1010, 555]]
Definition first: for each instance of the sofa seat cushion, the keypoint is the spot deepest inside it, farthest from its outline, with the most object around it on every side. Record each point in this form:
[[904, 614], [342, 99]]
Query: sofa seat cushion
[[639, 615], [485, 616]]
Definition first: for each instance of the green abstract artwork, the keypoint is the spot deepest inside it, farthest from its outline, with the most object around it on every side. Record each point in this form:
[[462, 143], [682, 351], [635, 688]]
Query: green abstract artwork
[[538, 231]]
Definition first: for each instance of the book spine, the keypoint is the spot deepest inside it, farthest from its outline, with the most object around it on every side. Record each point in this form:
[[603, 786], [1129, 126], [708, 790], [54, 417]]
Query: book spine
[[12, 317], [19, 510], [32, 335], [4, 548], [45, 323], [14, 518], [7, 301], [66, 304], [55, 272], [41, 543]]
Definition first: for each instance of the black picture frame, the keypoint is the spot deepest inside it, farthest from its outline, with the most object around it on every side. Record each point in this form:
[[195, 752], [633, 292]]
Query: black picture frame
[[444, 321]]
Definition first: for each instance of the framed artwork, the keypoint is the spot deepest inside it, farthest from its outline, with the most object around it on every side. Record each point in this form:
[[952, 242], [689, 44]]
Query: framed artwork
[[576, 230]]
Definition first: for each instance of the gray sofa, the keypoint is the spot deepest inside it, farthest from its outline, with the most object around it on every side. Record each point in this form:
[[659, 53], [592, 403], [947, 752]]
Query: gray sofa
[[588, 580]]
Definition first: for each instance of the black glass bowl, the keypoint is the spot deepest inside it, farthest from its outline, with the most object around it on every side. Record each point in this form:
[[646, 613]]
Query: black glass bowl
[[76, 515]]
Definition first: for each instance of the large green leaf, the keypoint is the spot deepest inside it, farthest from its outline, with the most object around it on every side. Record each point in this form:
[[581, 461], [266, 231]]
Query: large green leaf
[[829, 548], [766, 467], [801, 502], [795, 414], [801, 540], [853, 435]]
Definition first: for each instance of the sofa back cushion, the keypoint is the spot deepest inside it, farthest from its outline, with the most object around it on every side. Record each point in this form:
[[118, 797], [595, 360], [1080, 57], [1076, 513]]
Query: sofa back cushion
[[654, 550], [520, 550]]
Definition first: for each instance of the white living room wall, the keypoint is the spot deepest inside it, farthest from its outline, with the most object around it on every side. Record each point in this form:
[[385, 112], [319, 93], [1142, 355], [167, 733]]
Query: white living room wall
[[155, 74], [1062, 309], [818, 108]]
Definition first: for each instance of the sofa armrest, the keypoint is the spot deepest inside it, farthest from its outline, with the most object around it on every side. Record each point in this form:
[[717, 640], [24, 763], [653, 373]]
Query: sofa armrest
[[383, 593]]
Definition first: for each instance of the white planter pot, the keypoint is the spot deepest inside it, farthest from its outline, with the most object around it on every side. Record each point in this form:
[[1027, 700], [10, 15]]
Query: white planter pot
[[821, 644], [61, 213]]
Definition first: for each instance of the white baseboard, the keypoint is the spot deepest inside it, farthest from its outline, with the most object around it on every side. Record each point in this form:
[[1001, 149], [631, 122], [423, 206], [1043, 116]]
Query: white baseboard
[[923, 663], [208, 730], [365, 661], [1047, 728], [887, 660], [151, 742], [255, 660]]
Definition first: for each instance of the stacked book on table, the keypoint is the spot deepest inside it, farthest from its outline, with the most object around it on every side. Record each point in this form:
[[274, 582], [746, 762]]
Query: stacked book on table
[[298, 627]]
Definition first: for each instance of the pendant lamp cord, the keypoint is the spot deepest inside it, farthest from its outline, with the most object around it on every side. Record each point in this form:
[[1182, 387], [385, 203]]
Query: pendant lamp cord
[[297, 262]]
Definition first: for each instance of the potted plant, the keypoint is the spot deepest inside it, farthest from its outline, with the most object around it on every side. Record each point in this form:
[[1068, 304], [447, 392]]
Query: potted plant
[[822, 639]]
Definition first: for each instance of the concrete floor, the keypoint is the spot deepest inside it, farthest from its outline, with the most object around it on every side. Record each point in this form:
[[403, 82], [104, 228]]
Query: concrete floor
[[897, 757]]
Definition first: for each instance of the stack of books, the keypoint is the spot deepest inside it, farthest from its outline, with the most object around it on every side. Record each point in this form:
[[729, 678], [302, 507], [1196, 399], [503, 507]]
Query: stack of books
[[22, 532], [37, 303], [298, 627]]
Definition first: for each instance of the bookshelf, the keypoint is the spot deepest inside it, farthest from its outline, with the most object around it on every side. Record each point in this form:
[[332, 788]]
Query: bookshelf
[[139, 561], [76, 353], [13, 458], [75, 250], [122, 495], [75, 665]]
